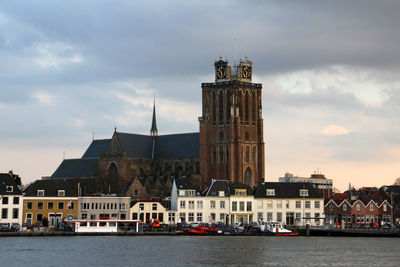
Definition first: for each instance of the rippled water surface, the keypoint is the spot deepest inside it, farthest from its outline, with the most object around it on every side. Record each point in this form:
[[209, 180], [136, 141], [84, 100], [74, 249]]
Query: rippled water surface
[[192, 250]]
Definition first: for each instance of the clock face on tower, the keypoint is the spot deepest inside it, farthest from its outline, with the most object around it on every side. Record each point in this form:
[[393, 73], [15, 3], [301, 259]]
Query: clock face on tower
[[246, 72], [221, 72]]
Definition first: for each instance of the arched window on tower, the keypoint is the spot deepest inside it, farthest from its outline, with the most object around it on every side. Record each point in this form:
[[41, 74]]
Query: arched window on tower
[[254, 154], [228, 106], [254, 105], [214, 116], [246, 107], [221, 107], [240, 101], [221, 154], [248, 177], [247, 160]]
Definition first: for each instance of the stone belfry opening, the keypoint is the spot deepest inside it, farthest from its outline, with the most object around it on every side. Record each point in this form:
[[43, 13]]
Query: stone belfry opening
[[231, 126]]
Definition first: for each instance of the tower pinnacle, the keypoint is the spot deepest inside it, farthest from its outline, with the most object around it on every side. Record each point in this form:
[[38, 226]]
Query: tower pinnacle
[[153, 130]]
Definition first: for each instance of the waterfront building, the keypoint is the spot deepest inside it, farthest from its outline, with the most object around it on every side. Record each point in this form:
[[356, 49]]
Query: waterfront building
[[105, 207], [289, 204], [319, 181], [231, 126], [241, 203], [145, 210], [362, 207], [50, 201], [10, 199]]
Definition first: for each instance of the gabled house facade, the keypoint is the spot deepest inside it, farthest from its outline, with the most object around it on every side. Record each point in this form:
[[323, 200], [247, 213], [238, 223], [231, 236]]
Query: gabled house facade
[[10, 200]]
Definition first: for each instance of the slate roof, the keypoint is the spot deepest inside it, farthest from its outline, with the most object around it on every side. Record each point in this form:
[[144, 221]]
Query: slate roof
[[178, 146], [216, 186], [286, 190], [233, 186], [182, 183], [136, 145], [74, 168], [97, 146], [51, 187], [7, 180]]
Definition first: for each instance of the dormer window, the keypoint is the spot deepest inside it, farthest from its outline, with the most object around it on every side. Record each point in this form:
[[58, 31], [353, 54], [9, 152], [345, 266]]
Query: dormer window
[[40, 193], [304, 192], [270, 192], [221, 193], [9, 189], [181, 192], [240, 192], [61, 193]]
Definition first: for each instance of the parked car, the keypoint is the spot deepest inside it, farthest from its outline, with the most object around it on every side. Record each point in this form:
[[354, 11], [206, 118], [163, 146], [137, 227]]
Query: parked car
[[4, 227], [194, 224], [15, 227]]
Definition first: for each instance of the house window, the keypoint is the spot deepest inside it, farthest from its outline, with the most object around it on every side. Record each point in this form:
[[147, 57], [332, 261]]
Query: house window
[[40, 205], [260, 216], [316, 204], [260, 204], [221, 193], [40, 193], [199, 216], [15, 214], [50, 205], [4, 213], [135, 192], [287, 204], [240, 192], [269, 204], [371, 207], [212, 204], [358, 207], [61, 193], [249, 204], [316, 215], [270, 192], [279, 216], [199, 204], [154, 206], [16, 200], [39, 217], [384, 207], [60, 205], [191, 204], [222, 204], [141, 206], [344, 206], [84, 216], [5, 200], [298, 205], [183, 204], [308, 215], [171, 217], [308, 204], [191, 217], [241, 206], [331, 206], [93, 216], [234, 206], [29, 205], [269, 216], [304, 192], [298, 216], [71, 205], [279, 204], [181, 192], [9, 189], [222, 217], [212, 217]]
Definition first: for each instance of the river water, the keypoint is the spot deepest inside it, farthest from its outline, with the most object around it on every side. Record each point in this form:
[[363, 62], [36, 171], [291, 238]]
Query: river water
[[193, 251]]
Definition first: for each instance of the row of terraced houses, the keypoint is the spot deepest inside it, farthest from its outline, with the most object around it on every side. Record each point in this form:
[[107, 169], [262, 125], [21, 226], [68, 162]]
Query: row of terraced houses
[[51, 202]]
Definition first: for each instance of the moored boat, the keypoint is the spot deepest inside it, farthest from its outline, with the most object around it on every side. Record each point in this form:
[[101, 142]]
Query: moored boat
[[276, 229]]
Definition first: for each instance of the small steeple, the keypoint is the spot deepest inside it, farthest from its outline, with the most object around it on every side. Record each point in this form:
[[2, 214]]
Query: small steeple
[[153, 130]]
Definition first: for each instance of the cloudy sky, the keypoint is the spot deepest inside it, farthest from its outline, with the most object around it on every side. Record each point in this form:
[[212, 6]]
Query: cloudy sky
[[329, 69]]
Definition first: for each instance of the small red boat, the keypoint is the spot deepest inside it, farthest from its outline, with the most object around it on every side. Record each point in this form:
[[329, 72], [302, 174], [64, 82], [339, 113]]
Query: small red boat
[[197, 232]]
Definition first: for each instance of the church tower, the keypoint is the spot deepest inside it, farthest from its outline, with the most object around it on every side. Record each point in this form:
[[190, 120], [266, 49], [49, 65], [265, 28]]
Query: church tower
[[231, 126]]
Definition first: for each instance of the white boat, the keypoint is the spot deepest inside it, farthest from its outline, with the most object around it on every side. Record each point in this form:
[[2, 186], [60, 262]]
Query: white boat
[[276, 229], [105, 226]]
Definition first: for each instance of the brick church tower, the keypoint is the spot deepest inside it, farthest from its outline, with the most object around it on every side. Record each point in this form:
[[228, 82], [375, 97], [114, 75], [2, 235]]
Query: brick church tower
[[231, 127]]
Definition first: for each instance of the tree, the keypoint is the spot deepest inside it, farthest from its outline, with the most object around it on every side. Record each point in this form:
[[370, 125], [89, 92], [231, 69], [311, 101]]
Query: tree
[[397, 181]]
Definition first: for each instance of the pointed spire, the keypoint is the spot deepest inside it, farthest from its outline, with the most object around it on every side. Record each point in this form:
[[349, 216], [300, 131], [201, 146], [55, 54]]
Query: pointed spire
[[153, 130]]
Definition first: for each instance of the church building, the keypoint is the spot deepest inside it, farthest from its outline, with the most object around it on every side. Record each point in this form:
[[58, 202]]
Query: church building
[[229, 146]]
